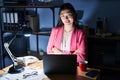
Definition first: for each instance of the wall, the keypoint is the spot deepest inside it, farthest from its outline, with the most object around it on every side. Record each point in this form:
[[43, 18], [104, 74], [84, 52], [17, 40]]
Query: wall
[[92, 10], [99, 8]]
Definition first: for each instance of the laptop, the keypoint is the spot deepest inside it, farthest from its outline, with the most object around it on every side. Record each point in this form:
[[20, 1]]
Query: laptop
[[59, 64]]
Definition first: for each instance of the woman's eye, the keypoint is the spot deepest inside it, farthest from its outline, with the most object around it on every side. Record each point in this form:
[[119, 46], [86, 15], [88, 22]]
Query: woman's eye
[[70, 15], [61, 15]]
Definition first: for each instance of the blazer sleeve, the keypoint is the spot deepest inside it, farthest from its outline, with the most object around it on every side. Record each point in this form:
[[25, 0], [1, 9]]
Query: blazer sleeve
[[81, 45], [51, 41]]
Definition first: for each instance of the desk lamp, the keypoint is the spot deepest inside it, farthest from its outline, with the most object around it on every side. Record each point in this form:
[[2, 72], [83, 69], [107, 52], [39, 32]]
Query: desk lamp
[[16, 68], [27, 31]]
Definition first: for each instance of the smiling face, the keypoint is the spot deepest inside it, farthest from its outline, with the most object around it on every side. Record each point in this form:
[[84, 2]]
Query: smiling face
[[66, 17]]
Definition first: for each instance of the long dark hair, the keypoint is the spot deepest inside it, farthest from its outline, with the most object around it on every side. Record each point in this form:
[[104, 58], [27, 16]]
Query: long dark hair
[[69, 7]]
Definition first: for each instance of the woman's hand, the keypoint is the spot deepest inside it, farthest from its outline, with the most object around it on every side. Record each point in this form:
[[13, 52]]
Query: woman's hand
[[56, 51], [76, 51]]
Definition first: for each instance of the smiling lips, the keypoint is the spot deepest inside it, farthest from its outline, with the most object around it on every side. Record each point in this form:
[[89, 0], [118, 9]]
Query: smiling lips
[[67, 21]]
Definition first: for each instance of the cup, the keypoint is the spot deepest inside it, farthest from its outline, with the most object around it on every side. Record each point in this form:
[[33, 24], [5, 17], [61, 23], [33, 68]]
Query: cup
[[83, 65]]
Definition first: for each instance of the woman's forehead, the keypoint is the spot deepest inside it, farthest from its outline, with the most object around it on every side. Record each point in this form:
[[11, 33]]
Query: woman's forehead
[[65, 11]]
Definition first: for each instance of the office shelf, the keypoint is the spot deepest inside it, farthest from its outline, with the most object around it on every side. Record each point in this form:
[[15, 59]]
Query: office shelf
[[45, 31]]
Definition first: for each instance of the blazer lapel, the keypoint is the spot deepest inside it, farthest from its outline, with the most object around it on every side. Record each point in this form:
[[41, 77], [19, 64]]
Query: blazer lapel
[[59, 37], [73, 40]]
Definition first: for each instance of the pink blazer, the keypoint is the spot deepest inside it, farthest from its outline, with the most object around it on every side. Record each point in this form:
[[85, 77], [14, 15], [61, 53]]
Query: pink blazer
[[78, 41]]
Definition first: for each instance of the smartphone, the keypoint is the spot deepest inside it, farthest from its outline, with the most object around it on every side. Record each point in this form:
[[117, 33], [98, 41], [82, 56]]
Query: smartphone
[[92, 73]]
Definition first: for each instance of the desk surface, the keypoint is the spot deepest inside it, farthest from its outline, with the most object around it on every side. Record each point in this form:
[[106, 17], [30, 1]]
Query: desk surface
[[80, 74]]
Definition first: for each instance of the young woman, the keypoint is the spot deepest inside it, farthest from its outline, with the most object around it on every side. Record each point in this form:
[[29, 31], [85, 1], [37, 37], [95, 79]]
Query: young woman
[[66, 37]]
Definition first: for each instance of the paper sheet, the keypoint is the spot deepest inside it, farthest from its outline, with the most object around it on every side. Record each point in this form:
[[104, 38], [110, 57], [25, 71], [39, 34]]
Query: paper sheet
[[30, 73]]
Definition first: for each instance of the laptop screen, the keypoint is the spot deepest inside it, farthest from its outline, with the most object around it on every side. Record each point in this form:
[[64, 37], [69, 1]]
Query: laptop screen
[[59, 64]]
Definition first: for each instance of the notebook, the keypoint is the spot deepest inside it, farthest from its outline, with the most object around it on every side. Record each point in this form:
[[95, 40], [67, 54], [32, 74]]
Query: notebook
[[59, 64]]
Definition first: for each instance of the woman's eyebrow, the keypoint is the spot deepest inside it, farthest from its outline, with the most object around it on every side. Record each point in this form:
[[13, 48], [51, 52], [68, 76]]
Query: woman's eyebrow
[[69, 12]]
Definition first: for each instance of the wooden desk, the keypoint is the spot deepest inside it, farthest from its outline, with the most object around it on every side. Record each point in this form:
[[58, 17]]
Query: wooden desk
[[80, 74]]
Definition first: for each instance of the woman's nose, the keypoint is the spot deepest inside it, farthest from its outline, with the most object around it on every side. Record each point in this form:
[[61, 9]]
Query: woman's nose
[[66, 17]]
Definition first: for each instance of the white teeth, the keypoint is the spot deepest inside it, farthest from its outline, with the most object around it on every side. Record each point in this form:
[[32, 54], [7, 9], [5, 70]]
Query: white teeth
[[67, 21]]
